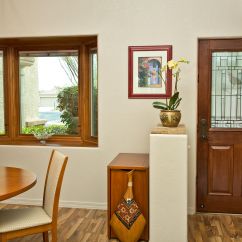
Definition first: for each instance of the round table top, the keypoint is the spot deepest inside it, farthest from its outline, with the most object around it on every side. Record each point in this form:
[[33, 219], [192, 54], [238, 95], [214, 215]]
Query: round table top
[[14, 181]]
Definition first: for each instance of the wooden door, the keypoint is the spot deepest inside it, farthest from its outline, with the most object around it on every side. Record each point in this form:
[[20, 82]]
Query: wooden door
[[219, 137]]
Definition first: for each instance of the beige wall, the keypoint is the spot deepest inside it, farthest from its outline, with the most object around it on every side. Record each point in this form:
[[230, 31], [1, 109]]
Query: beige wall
[[124, 124]]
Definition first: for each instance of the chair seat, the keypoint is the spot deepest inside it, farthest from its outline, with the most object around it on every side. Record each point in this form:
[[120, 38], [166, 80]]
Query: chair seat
[[17, 219]]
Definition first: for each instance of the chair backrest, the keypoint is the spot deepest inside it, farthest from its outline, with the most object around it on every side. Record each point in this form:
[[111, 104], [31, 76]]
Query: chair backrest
[[53, 183]]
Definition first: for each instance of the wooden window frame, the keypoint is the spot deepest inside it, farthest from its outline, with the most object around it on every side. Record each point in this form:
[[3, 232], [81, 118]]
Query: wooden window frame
[[11, 48]]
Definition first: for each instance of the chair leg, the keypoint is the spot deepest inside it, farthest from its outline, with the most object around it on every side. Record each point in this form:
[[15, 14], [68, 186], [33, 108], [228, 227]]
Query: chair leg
[[54, 234], [45, 236]]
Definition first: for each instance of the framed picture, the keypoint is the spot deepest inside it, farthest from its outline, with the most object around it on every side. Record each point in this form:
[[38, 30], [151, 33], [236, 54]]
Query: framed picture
[[145, 63]]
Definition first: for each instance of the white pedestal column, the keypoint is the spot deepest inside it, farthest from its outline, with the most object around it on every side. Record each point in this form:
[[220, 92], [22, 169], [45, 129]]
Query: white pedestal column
[[168, 188]]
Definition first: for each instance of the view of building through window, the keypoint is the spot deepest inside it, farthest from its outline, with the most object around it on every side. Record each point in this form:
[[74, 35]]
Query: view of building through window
[[49, 91], [2, 121]]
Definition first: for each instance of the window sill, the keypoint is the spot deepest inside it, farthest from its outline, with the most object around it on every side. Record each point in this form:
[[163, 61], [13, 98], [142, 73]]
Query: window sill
[[57, 142]]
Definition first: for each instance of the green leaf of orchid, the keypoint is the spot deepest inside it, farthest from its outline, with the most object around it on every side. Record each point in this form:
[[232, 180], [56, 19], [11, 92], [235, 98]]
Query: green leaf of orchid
[[173, 99], [160, 105], [177, 103]]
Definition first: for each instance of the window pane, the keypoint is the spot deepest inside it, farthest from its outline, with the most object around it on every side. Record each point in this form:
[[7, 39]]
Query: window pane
[[94, 104], [226, 105], [49, 92], [2, 123]]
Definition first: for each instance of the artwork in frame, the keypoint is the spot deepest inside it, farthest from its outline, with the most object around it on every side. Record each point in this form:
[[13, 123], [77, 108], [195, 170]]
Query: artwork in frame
[[145, 63]]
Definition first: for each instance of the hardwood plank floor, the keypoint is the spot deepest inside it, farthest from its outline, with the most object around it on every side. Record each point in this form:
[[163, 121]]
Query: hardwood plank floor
[[85, 225], [214, 228], [74, 225]]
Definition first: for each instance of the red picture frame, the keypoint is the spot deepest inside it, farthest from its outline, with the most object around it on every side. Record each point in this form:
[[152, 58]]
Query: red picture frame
[[144, 66]]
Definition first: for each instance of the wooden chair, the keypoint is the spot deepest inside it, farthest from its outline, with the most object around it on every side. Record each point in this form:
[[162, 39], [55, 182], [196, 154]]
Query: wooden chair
[[25, 221]]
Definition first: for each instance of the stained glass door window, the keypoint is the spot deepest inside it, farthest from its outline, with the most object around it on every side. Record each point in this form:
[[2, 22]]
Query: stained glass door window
[[226, 91]]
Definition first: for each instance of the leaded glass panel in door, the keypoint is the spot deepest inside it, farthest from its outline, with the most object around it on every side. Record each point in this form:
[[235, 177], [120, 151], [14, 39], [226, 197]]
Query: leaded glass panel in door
[[226, 92]]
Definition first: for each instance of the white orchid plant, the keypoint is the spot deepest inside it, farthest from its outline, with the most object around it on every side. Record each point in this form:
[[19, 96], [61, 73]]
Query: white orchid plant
[[173, 102]]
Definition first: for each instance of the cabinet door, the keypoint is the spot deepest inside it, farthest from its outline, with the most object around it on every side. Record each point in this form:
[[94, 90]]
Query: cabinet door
[[118, 185]]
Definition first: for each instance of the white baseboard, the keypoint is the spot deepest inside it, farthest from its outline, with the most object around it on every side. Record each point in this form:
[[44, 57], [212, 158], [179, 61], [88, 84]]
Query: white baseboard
[[71, 204], [68, 204], [191, 210]]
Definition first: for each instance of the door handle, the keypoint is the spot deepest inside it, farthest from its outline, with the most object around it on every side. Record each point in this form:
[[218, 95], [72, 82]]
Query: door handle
[[203, 128]]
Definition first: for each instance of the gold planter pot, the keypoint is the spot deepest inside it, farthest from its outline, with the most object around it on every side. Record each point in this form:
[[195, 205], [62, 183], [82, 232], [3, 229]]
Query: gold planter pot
[[170, 118]]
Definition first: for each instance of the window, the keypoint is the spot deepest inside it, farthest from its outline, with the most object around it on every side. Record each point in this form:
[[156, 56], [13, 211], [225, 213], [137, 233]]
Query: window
[[94, 127], [2, 121], [52, 88]]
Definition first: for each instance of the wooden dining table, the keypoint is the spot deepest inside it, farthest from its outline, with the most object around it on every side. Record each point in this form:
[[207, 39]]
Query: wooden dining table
[[14, 181]]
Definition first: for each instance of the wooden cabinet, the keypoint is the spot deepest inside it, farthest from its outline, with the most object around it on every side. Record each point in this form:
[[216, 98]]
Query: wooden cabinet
[[117, 185]]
